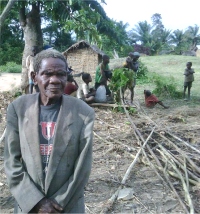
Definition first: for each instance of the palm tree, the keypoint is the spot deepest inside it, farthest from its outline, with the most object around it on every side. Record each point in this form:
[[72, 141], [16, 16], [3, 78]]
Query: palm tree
[[142, 33], [179, 39], [193, 37]]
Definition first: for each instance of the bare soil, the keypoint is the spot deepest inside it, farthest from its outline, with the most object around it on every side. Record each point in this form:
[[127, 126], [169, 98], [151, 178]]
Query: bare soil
[[115, 147], [9, 81]]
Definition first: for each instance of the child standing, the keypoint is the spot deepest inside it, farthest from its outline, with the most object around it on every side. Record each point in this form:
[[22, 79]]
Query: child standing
[[103, 74], [189, 78]]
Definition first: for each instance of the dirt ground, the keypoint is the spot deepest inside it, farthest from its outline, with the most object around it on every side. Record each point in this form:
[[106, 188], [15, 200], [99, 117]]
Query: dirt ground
[[9, 81], [115, 148]]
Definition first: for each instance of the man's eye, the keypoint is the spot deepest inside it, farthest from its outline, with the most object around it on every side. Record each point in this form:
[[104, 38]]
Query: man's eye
[[62, 74], [47, 73]]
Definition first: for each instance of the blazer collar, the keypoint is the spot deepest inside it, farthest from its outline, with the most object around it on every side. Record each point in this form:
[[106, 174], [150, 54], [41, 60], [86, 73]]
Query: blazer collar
[[31, 130]]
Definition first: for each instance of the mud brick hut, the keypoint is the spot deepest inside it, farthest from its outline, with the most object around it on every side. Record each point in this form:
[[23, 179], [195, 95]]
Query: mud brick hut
[[83, 57]]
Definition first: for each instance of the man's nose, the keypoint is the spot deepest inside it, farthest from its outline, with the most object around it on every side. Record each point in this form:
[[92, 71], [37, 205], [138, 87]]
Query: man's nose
[[54, 79]]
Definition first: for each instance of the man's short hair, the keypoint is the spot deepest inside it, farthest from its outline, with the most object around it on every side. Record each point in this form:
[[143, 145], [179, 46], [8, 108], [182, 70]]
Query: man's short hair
[[49, 53], [85, 76]]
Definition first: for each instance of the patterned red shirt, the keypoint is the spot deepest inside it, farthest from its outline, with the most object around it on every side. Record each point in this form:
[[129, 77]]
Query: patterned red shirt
[[151, 100]]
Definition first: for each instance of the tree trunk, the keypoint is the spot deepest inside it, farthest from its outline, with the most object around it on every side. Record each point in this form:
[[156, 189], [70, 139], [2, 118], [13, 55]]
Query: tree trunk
[[6, 11], [31, 25]]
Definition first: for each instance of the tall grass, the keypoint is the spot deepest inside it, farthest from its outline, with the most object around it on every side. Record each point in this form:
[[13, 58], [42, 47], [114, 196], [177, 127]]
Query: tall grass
[[170, 67], [174, 66]]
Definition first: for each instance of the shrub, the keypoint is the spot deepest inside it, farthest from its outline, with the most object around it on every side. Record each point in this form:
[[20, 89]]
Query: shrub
[[11, 67], [11, 52], [124, 77], [165, 86], [142, 71]]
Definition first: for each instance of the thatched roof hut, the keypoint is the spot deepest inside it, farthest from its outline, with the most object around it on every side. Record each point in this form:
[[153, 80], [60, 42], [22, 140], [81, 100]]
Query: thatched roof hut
[[83, 57]]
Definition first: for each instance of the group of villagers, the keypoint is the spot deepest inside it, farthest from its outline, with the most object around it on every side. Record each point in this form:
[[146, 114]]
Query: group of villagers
[[101, 93]]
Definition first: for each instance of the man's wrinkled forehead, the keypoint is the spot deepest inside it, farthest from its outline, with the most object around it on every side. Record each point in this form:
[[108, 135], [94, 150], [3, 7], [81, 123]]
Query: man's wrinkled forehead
[[49, 65]]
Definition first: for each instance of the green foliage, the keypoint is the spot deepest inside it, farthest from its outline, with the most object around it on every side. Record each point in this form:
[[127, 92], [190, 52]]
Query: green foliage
[[11, 67], [122, 77], [165, 86], [9, 53], [11, 40], [142, 70], [120, 109], [115, 40], [17, 94], [159, 39]]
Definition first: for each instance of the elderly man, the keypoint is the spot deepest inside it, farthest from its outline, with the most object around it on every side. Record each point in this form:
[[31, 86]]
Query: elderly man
[[48, 149]]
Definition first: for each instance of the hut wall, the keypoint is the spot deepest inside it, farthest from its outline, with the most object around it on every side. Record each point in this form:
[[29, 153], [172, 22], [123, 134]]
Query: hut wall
[[84, 59]]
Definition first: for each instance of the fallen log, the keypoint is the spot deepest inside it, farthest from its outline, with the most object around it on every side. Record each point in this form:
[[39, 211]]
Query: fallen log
[[110, 105]]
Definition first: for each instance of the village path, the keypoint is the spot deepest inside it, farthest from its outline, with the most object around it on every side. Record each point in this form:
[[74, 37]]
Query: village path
[[9, 81]]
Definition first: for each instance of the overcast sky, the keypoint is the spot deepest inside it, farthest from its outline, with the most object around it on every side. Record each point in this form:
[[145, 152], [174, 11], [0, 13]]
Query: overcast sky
[[176, 14]]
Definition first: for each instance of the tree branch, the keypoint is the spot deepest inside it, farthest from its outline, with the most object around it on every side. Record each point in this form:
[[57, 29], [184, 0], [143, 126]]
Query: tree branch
[[6, 11]]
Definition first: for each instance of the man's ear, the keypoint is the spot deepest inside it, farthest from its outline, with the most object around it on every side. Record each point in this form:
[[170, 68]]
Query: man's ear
[[33, 77]]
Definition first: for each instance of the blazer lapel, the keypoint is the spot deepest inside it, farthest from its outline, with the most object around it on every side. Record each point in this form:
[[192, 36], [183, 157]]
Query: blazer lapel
[[31, 129], [63, 126]]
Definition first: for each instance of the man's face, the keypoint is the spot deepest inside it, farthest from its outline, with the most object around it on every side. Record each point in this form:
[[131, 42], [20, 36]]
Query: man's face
[[51, 79]]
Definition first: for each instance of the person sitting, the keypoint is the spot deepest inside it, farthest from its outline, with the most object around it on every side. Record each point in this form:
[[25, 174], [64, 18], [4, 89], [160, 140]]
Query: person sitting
[[86, 93], [103, 74], [151, 100], [71, 86]]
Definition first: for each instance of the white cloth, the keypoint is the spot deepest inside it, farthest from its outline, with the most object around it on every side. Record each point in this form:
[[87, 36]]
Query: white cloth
[[100, 96], [83, 90]]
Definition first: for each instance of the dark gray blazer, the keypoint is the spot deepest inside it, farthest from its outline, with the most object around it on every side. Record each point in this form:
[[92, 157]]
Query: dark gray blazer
[[70, 161]]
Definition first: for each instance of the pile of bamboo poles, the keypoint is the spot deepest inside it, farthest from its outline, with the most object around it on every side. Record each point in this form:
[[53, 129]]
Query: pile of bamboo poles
[[171, 158]]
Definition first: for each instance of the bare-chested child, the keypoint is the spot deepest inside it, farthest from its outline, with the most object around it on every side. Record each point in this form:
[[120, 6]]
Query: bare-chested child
[[189, 78], [86, 93]]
